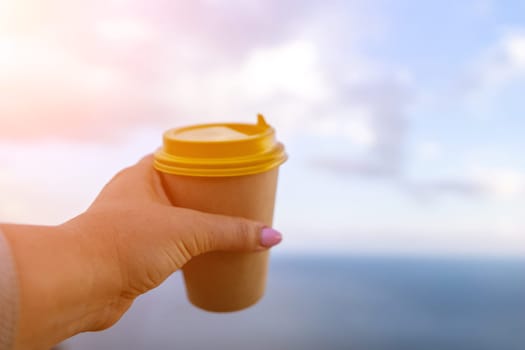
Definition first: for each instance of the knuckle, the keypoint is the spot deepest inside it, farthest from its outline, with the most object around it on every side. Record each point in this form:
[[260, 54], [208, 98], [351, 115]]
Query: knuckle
[[244, 231], [120, 174], [199, 239]]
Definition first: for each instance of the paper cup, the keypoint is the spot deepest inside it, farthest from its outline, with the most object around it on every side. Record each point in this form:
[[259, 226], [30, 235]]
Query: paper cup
[[228, 169]]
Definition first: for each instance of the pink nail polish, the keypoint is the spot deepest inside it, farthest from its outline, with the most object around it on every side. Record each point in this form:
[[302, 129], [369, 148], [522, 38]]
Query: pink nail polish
[[270, 237]]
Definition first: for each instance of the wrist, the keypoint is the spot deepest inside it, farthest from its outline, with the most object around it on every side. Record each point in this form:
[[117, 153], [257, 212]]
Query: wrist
[[58, 283], [103, 282]]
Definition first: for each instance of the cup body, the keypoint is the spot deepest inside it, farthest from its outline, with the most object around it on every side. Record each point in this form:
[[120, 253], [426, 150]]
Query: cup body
[[226, 281]]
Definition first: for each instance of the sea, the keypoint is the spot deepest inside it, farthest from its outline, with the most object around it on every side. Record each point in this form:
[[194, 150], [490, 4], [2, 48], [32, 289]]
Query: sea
[[352, 302]]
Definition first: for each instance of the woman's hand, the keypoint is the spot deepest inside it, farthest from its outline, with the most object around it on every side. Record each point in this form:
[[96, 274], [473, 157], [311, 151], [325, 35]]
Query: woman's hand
[[83, 275]]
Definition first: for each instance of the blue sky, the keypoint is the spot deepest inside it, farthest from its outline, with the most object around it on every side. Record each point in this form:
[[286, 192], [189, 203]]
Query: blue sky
[[403, 119]]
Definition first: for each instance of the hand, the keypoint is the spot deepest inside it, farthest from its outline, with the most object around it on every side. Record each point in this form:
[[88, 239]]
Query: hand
[[83, 275]]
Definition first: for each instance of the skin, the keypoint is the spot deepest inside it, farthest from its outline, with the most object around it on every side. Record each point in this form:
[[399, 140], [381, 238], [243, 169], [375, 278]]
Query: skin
[[83, 275]]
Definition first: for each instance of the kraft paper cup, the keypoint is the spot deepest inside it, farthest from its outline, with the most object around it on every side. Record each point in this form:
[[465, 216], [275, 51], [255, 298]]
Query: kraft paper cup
[[228, 169]]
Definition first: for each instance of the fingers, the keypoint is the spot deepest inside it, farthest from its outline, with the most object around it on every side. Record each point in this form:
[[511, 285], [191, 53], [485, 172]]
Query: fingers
[[138, 172], [145, 164], [208, 232], [139, 181]]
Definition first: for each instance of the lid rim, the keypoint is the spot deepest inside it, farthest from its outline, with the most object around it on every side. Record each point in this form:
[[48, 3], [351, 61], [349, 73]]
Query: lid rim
[[277, 149], [220, 172]]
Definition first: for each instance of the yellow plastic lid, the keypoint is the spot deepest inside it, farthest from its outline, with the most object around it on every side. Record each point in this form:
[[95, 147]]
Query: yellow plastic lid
[[220, 150]]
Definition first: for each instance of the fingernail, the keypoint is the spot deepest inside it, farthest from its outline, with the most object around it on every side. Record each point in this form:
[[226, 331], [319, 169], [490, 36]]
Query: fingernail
[[270, 237]]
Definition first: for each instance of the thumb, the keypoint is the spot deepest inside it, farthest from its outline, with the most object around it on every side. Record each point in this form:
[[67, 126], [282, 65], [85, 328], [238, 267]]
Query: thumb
[[210, 232]]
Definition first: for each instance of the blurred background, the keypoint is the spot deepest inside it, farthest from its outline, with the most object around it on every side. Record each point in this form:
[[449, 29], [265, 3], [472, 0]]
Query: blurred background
[[402, 200]]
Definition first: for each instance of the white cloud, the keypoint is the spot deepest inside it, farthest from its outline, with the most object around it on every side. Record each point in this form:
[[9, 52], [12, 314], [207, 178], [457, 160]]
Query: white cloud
[[69, 96], [429, 150], [326, 127], [29, 62], [360, 132], [123, 30], [352, 124], [514, 47], [497, 68], [50, 182], [157, 68], [268, 78], [293, 69], [500, 182], [11, 205], [99, 79]]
